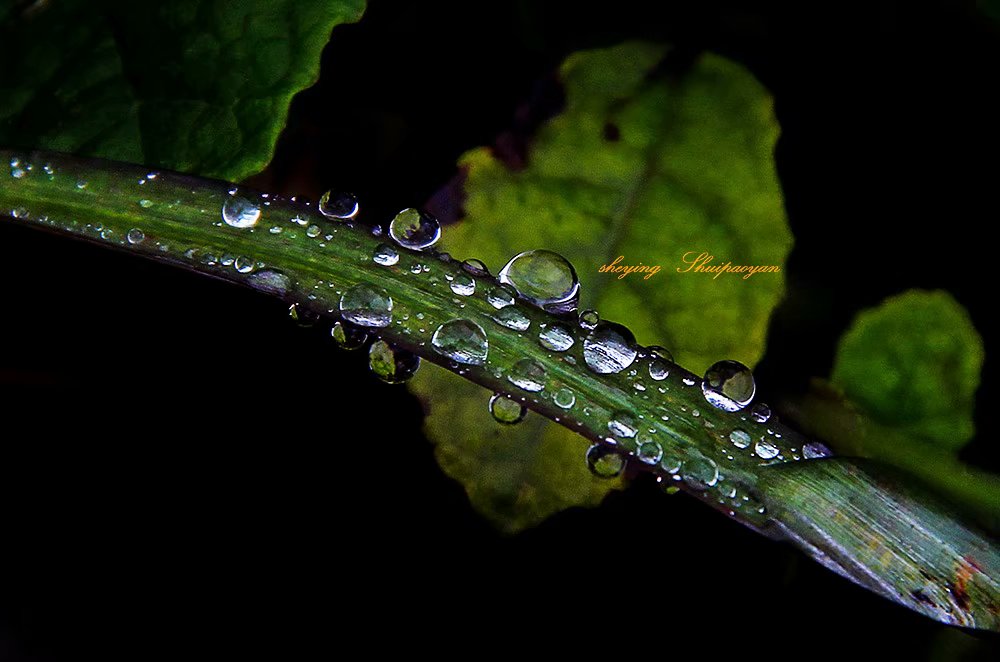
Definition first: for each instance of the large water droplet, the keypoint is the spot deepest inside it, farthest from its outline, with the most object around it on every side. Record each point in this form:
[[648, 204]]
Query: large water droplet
[[270, 281], [366, 305], [500, 297], [544, 279], [341, 206], [609, 348], [604, 462], [740, 438], [415, 229], [622, 425], [556, 337], [765, 450], [649, 452], [505, 410], [564, 398], [814, 450], [463, 285], [528, 375], [728, 385], [699, 473], [347, 336], [393, 365], [385, 255], [462, 341], [239, 212], [512, 318]]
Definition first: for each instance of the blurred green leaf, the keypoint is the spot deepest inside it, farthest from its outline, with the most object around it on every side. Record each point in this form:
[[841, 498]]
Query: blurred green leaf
[[641, 164], [200, 86], [913, 364]]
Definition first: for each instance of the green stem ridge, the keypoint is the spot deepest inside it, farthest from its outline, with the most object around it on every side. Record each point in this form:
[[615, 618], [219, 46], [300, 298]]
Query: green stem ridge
[[299, 255]]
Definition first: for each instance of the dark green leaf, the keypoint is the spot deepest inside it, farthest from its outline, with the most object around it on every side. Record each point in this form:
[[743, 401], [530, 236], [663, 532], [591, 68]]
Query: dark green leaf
[[194, 85]]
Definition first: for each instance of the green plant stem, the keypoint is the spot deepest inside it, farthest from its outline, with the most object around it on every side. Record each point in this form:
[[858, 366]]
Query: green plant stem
[[180, 218]]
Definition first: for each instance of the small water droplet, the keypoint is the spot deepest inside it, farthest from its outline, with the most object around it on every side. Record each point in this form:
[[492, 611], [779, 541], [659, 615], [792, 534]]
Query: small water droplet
[[243, 264], [302, 316], [505, 410], [670, 463], [463, 285], [145, 204], [765, 450], [564, 398], [462, 341], [609, 348], [500, 297], [649, 452], [740, 438], [512, 318], [622, 425], [415, 229], [81, 184], [313, 231], [589, 319], [393, 365], [341, 206], [604, 462], [298, 220], [239, 212], [135, 236], [814, 450], [347, 336], [760, 412], [728, 385], [544, 279], [700, 473], [19, 212], [475, 267], [269, 280], [275, 229], [366, 305], [527, 374], [556, 337], [385, 255]]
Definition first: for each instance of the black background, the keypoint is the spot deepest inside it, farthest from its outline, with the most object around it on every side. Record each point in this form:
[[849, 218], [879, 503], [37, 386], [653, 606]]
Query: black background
[[186, 473]]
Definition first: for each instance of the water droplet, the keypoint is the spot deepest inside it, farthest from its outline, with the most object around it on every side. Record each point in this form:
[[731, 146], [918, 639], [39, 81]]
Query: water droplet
[[298, 220], [500, 297], [135, 236], [589, 319], [415, 229], [366, 305], [385, 255], [609, 348], [728, 385], [464, 285], [462, 341], [556, 337], [505, 410], [604, 462], [275, 229], [302, 316], [239, 212], [544, 279], [243, 264], [760, 412], [622, 425], [81, 184], [814, 450], [564, 398], [269, 281], [393, 365], [145, 204], [765, 450], [347, 336], [740, 438], [341, 206], [527, 374], [19, 212], [512, 318], [659, 364], [649, 452], [700, 473], [313, 231], [475, 267], [670, 463]]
